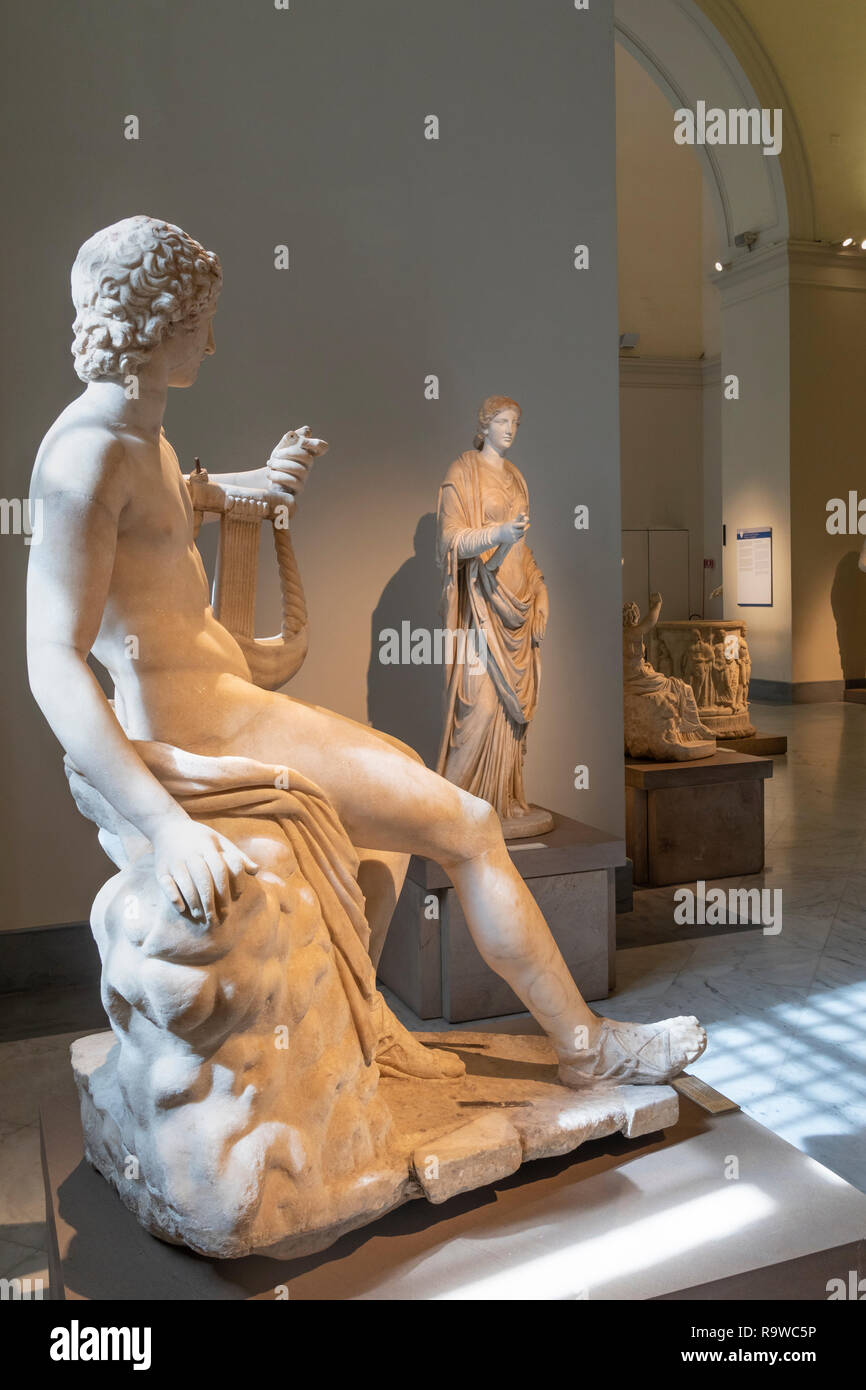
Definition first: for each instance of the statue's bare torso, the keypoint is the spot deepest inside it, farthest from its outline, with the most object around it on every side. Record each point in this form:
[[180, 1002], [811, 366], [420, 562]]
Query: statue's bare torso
[[158, 639]]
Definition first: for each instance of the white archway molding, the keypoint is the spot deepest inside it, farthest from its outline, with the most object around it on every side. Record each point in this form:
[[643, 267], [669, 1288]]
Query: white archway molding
[[711, 54]]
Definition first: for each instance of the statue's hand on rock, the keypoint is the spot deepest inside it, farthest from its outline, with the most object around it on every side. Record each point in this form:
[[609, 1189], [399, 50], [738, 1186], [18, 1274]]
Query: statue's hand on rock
[[291, 460], [199, 870]]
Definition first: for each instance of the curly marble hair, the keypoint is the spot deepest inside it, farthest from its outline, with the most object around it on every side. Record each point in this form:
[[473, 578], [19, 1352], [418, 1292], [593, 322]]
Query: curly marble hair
[[490, 408], [132, 284], [630, 615]]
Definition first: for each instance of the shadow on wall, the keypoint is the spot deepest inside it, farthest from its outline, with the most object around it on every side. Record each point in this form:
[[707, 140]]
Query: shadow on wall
[[848, 598], [406, 700]]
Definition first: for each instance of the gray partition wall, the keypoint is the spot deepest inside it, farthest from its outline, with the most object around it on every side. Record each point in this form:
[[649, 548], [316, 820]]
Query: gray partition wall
[[408, 258]]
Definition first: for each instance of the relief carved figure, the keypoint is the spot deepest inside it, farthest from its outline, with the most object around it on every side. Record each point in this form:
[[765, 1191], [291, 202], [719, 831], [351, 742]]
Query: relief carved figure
[[698, 669], [713, 656]]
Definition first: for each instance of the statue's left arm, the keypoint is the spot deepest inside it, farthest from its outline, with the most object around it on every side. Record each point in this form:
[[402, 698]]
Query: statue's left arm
[[540, 600]]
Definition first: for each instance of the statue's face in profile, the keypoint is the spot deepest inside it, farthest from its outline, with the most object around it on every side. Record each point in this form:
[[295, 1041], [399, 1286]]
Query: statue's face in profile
[[187, 348], [502, 430]]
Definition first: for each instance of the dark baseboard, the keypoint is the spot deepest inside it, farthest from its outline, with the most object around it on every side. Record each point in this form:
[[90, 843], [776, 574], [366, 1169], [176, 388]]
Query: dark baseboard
[[43, 1013], [771, 692], [49, 982], [48, 957], [624, 879], [797, 692], [818, 692]]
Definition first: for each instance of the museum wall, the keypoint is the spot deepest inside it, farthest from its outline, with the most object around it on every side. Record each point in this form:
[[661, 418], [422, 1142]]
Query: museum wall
[[407, 257], [659, 209], [670, 434], [661, 428], [829, 590], [711, 412], [756, 446]]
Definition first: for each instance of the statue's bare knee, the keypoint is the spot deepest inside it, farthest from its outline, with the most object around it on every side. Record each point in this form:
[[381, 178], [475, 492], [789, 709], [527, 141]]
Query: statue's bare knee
[[479, 832]]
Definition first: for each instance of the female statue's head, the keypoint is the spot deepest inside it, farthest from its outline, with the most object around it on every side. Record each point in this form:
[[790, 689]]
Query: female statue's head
[[630, 615], [135, 284], [498, 421]]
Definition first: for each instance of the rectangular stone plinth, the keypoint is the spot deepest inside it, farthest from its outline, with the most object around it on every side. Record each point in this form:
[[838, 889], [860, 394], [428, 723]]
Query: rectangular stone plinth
[[430, 960], [758, 744], [696, 820]]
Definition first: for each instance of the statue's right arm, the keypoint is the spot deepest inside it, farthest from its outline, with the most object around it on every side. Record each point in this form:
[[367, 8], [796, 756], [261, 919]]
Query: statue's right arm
[[469, 542], [652, 616], [67, 587]]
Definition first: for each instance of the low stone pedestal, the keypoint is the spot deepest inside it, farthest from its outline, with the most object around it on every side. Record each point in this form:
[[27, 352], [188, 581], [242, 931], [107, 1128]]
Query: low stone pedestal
[[430, 960], [614, 1221], [700, 820], [760, 745]]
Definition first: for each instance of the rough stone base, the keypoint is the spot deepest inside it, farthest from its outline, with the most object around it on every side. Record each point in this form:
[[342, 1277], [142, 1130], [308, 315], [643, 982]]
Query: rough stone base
[[733, 724], [449, 1136]]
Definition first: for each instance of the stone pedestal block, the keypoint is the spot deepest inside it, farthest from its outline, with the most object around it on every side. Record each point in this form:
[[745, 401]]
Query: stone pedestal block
[[430, 960], [701, 820]]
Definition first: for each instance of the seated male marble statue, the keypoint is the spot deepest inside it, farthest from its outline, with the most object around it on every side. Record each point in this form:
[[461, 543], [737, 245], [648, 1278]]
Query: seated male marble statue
[[235, 815]]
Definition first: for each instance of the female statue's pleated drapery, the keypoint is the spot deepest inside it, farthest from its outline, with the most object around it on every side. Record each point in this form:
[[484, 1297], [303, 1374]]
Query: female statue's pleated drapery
[[491, 592]]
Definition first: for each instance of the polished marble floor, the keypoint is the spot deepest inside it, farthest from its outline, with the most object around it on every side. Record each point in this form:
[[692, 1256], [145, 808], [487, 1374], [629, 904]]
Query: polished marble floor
[[786, 1013]]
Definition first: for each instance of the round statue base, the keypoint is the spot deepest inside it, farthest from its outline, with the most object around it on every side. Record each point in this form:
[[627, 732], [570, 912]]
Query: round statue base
[[728, 724], [536, 821]]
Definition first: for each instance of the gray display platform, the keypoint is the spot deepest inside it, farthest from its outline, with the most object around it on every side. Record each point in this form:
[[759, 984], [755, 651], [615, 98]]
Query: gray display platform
[[430, 960], [695, 820], [619, 1219]]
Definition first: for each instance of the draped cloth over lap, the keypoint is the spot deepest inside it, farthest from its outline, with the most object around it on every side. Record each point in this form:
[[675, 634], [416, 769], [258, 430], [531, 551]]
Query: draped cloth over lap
[[487, 708], [208, 788]]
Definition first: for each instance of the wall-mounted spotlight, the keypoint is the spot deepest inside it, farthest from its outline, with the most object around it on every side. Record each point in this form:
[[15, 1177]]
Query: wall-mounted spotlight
[[849, 241]]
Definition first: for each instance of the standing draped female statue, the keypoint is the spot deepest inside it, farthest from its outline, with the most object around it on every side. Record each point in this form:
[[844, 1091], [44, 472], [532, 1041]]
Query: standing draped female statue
[[494, 593]]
